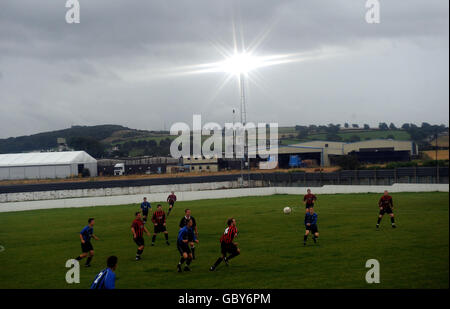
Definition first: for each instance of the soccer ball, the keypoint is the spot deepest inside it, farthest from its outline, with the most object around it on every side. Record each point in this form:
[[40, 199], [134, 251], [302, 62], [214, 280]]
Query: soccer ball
[[287, 210]]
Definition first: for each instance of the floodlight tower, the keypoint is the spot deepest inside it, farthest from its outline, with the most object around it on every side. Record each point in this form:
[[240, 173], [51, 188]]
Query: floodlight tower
[[243, 114]]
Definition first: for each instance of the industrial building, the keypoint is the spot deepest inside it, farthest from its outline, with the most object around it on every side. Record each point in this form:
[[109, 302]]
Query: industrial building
[[370, 151], [201, 164], [46, 165]]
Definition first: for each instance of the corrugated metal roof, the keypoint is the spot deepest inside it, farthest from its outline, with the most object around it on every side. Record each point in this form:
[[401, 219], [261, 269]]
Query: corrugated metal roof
[[45, 158]]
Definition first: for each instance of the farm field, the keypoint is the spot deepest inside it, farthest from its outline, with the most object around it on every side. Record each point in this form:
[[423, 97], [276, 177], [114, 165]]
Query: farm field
[[441, 155], [36, 244]]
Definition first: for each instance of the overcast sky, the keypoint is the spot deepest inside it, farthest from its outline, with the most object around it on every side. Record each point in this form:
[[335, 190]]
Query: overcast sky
[[117, 65]]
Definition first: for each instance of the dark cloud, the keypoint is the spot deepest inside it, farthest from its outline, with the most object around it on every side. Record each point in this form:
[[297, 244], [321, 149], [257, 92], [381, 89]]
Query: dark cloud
[[107, 69]]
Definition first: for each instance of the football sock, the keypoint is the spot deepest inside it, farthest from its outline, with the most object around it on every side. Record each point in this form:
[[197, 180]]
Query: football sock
[[78, 258], [305, 238], [392, 220], [188, 262], [379, 220], [166, 236], [219, 260], [154, 238], [181, 260], [193, 251], [88, 261], [139, 252], [170, 209]]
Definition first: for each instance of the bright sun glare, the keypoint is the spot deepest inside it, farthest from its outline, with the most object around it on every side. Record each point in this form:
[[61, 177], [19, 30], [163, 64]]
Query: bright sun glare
[[240, 63]]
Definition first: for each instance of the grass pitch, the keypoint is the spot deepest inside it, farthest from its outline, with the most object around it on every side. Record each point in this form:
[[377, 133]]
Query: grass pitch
[[415, 255]]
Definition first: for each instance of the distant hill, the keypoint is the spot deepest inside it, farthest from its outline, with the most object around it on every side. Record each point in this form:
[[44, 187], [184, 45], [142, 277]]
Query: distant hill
[[47, 140], [118, 141]]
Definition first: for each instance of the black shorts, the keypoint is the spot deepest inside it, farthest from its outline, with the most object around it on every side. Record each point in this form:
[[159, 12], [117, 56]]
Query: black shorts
[[386, 210], [172, 204], [139, 241], [159, 228], [183, 248], [313, 228], [86, 247], [145, 213], [309, 206], [228, 248]]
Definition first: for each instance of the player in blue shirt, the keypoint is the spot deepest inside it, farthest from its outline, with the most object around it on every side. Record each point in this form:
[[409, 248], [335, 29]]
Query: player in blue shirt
[[184, 236], [86, 246], [106, 279], [145, 206], [311, 225]]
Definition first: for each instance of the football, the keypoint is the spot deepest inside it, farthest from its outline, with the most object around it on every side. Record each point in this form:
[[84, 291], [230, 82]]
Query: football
[[287, 210]]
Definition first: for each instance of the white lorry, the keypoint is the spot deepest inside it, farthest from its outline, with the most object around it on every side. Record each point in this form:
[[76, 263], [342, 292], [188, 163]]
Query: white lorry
[[119, 169]]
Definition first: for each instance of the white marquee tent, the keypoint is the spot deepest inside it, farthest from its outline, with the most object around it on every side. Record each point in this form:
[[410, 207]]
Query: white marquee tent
[[42, 165]]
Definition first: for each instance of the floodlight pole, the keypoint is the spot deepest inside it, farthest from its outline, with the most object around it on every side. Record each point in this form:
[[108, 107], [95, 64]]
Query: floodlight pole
[[437, 161], [243, 116]]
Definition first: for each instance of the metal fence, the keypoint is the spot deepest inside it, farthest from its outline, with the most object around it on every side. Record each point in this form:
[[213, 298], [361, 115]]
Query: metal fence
[[357, 177]]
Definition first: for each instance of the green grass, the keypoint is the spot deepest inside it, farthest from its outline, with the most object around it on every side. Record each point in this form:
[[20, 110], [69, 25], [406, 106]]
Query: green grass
[[415, 255]]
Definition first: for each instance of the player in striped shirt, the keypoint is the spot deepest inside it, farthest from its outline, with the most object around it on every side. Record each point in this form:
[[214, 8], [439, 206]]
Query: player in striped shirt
[[183, 222], [159, 222], [227, 245], [311, 226], [309, 199], [386, 206], [138, 228], [184, 235], [106, 279], [171, 199]]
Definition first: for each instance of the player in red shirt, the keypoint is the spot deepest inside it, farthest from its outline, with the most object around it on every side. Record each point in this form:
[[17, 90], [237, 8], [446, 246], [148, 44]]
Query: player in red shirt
[[159, 222], [386, 206], [171, 199], [227, 245], [138, 228], [309, 200]]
